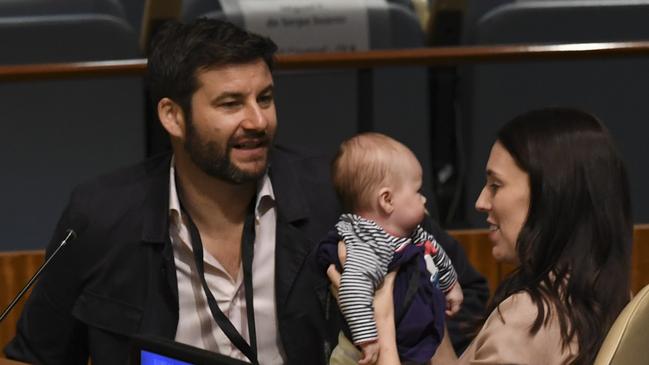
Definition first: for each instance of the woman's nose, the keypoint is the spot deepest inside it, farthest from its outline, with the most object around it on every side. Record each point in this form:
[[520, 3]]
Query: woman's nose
[[482, 204]]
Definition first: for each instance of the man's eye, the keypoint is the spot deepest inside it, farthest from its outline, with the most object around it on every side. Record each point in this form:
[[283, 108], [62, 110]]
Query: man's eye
[[265, 99], [230, 104]]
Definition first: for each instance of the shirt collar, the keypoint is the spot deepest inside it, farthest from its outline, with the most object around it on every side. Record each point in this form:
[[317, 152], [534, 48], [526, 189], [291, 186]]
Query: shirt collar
[[174, 203], [265, 195]]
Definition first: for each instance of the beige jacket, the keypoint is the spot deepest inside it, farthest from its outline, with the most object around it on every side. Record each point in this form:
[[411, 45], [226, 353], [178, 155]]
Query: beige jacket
[[510, 342]]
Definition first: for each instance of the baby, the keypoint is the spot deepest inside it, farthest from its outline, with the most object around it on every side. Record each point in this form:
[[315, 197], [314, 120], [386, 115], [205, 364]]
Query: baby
[[378, 180]]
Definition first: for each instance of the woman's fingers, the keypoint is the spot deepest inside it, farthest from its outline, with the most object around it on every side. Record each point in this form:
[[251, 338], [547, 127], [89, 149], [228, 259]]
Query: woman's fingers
[[334, 279], [342, 252]]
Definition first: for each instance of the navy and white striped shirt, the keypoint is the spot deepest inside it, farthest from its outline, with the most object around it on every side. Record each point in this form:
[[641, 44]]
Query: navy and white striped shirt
[[369, 251]]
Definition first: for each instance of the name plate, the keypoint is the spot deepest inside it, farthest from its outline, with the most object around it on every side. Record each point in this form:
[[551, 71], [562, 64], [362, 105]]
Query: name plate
[[308, 25]]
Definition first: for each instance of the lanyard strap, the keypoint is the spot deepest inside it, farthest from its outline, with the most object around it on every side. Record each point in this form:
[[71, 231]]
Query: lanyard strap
[[247, 247]]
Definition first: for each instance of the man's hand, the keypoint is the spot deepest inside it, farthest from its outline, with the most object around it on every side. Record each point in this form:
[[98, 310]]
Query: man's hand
[[454, 298], [370, 352]]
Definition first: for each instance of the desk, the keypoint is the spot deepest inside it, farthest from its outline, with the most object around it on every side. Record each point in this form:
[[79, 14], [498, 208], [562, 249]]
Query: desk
[[10, 362]]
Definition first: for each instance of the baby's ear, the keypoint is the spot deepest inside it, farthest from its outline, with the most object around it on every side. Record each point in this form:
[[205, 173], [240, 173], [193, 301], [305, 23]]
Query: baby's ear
[[385, 200]]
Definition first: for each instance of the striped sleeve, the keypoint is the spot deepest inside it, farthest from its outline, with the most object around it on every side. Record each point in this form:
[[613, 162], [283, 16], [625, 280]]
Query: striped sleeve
[[363, 272], [447, 274]]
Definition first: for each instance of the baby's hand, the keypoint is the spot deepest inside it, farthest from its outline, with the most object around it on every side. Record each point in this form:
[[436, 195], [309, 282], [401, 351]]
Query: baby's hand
[[370, 352], [454, 298]]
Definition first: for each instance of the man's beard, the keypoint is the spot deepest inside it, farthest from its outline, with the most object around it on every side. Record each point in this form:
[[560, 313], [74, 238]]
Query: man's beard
[[215, 161]]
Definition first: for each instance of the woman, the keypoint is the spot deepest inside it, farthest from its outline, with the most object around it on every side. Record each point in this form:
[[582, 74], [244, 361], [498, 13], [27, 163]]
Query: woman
[[558, 208]]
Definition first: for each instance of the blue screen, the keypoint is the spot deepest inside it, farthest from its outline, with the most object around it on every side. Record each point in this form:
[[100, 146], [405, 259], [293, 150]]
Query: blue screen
[[150, 358]]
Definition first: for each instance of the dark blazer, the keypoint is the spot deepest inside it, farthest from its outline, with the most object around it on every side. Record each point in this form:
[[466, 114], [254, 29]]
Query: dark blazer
[[118, 278]]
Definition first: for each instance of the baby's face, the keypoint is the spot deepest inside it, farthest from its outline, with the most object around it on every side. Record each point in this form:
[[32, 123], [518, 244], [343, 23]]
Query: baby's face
[[409, 204]]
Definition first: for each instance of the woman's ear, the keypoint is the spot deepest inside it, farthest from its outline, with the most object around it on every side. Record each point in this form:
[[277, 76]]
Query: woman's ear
[[172, 118], [385, 200]]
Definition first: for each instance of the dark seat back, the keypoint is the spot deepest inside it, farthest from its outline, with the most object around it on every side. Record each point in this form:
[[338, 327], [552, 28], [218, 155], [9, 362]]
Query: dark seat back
[[616, 90], [57, 133]]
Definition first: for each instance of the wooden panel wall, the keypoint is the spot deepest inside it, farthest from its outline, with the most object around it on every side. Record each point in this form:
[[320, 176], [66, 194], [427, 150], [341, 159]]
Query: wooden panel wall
[[17, 267], [15, 270], [640, 258], [477, 246]]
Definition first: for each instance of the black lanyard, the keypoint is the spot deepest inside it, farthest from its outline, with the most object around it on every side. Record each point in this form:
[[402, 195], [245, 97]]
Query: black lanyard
[[247, 248]]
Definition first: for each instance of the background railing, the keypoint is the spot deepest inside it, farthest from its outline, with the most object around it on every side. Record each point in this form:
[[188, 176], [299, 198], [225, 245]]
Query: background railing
[[357, 60]]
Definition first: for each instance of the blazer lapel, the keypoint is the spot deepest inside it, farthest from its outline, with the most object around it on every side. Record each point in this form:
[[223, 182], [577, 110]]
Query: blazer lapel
[[292, 245], [163, 307], [291, 249]]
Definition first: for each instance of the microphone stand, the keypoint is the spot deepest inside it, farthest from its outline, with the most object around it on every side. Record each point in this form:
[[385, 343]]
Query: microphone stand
[[71, 235]]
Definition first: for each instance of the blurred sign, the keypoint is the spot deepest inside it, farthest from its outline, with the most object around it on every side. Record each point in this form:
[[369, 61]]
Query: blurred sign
[[308, 25]]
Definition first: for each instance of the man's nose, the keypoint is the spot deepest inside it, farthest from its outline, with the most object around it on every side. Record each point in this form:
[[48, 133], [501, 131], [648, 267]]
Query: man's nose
[[255, 118]]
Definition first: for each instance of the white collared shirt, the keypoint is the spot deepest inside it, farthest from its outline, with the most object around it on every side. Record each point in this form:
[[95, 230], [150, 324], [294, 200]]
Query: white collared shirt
[[196, 326]]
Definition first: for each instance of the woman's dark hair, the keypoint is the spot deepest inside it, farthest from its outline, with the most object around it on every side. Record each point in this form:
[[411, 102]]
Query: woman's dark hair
[[178, 51], [574, 248]]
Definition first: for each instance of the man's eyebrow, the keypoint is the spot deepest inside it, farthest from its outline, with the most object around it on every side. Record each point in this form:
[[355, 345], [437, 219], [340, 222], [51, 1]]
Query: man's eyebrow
[[237, 95], [227, 95], [267, 89]]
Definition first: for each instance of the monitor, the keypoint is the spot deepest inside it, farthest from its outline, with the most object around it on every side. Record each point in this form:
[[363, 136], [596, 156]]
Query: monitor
[[147, 350]]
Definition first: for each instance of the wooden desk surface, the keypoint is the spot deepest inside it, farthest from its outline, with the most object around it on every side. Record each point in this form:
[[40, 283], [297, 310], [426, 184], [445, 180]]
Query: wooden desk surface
[[10, 362]]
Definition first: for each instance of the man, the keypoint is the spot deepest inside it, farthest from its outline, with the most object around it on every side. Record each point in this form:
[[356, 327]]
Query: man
[[209, 246]]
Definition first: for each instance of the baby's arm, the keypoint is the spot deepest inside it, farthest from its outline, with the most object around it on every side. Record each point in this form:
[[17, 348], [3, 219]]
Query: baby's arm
[[383, 312], [448, 281], [356, 294], [454, 299], [355, 299]]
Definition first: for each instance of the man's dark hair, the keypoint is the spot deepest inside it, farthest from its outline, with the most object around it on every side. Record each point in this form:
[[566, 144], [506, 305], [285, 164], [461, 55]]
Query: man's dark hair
[[179, 50]]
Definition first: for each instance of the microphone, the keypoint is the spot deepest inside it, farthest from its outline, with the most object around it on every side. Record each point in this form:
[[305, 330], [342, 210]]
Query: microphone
[[70, 236]]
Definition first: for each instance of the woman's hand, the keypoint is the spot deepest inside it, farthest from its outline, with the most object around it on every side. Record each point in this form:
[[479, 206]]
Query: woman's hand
[[384, 316], [445, 353], [333, 274], [383, 310], [334, 279]]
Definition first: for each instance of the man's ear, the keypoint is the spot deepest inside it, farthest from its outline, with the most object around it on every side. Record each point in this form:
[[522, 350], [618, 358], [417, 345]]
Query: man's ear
[[172, 118], [385, 200]]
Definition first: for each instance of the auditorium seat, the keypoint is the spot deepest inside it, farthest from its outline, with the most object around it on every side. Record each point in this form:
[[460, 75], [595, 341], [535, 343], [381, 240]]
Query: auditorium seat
[[57, 133], [613, 89], [627, 341], [192, 9], [49, 7], [133, 12]]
